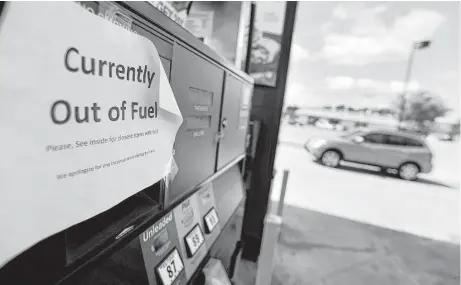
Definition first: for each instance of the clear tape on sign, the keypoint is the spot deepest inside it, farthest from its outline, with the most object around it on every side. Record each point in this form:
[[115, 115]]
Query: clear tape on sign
[[172, 170], [114, 14]]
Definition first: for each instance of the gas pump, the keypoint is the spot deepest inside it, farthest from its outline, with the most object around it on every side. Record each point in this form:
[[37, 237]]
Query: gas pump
[[182, 229]]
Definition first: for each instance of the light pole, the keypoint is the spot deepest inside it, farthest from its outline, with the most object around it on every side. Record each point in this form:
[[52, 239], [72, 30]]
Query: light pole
[[415, 46]]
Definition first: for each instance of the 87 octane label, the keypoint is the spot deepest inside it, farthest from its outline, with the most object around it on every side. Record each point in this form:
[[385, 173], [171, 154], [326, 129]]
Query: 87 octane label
[[170, 268]]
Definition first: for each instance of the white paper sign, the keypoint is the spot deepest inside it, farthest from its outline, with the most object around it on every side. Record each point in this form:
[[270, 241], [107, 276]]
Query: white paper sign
[[87, 119]]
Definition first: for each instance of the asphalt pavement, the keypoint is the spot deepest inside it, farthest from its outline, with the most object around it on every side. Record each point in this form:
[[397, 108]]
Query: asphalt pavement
[[319, 249], [356, 225]]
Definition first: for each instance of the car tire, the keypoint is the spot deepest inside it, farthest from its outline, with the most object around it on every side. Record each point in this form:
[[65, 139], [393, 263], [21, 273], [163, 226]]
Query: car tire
[[330, 158], [409, 171]]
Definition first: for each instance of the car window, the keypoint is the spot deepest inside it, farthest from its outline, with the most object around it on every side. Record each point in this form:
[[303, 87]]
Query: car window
[[396, 140], [411, 142], [375, 138]]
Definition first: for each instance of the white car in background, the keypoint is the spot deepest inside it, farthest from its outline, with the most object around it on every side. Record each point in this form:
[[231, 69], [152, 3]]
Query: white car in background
[[324, 124], [387, 149], [340, 127]]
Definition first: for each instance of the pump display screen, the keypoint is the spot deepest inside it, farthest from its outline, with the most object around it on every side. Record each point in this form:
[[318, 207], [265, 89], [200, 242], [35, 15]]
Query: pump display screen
[[170, 268], [211, 220], [194, 239]]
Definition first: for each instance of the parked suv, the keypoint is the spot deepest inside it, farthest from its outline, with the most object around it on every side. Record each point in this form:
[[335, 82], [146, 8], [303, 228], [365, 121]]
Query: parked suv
[[406, 153]]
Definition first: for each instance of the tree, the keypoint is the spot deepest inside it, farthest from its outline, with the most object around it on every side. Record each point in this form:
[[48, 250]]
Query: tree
[[455, 128], [421, 108], [290, 111], [351, 110]]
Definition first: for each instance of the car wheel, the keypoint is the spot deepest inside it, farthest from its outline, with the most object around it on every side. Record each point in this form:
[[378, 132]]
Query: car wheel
[[331, 158], [409, 171]]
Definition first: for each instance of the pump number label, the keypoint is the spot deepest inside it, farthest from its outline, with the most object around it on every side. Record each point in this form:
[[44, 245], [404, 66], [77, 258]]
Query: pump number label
[[170, 268], [211, 220], [194, 239]]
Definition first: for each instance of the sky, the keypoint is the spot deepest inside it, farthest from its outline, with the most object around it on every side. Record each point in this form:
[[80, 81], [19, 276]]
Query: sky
[[356, 53]]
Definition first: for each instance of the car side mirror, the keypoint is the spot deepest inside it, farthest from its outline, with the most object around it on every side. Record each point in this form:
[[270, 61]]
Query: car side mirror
[[358, 139]]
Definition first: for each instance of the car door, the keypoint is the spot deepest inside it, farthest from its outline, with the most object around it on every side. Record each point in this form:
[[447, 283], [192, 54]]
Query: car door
[[373, 148], [395, 151], [355, 151]]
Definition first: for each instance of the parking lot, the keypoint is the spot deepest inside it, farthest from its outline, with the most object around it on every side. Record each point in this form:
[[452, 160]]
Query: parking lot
[[355, 225], [428, 207]]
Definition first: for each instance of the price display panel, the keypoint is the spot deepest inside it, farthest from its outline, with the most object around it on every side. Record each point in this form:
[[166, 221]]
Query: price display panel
[[211, 220], [194, 239], [170, 268]]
